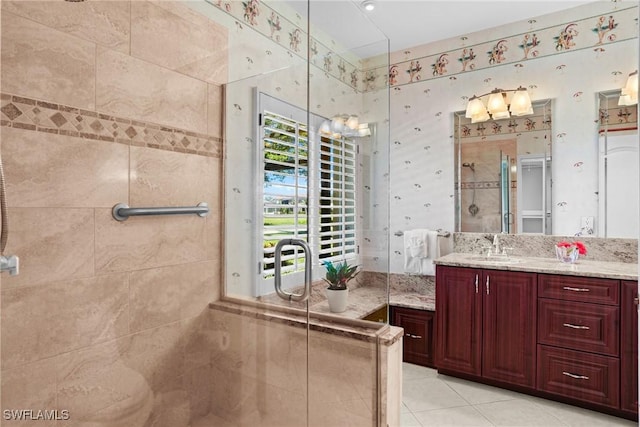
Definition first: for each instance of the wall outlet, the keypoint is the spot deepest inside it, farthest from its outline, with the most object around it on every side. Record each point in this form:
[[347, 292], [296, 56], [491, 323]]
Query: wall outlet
[[586, 224]]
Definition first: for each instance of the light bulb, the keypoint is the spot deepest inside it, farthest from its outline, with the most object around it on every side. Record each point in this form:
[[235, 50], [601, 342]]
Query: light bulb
[[368, 5], [520, 103], [474, 107], [496, 102], [482, 116]]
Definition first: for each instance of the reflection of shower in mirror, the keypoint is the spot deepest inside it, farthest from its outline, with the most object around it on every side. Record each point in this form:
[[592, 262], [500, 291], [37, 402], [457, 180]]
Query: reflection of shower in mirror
[[473, 208]]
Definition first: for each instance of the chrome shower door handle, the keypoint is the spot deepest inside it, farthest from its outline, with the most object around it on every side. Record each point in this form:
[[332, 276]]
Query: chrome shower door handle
[[278, 270]]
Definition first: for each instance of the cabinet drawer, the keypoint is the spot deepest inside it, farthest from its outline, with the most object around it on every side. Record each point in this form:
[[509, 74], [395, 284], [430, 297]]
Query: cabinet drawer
[[579, 326], [583, 289], [587, 377]]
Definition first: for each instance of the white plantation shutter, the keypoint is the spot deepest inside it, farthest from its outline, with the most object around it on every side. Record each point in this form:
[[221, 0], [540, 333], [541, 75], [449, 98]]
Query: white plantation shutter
[[285, 189], [337, 200], [290, 187]]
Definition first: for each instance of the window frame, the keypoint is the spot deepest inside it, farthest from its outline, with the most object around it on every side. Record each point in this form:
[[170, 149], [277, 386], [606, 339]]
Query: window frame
[[315, 142]]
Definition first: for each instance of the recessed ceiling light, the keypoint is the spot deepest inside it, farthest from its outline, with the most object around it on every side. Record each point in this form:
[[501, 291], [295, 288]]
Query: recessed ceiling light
[[368, 5]]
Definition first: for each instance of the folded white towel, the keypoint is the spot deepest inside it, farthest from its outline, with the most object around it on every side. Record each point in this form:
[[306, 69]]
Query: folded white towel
[[416, 242], [416, 249]]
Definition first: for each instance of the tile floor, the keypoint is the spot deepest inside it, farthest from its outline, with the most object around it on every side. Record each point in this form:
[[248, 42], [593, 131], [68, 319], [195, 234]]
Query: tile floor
[[431, 399]]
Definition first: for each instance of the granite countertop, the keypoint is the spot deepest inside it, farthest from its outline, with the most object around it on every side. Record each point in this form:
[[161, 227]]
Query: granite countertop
[[414, 300], [363, 301], [366, 300], [584, 267]]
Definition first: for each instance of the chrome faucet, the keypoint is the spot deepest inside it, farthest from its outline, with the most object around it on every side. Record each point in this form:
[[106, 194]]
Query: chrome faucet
[[11, 264], [496, 245]]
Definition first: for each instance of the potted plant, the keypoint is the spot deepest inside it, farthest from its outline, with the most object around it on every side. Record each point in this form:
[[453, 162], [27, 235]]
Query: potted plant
[[337, 277]]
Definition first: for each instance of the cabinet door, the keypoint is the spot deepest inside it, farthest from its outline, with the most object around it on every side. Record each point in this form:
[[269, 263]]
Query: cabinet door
[[418, 334], [458, 319], [509, 343], [629, 348]]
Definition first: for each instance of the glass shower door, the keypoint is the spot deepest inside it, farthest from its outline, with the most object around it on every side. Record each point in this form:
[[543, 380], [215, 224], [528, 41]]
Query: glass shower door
[[297, 194], [505, 193]]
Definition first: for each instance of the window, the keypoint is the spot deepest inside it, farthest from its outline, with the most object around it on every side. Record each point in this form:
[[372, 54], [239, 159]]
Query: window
[[285, 189], [308, 192]]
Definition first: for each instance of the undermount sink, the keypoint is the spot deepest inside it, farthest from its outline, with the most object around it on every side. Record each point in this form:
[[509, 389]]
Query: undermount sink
[[496, 259]]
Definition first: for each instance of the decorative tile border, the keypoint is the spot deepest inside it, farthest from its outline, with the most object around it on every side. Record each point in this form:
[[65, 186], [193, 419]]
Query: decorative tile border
[[589, 33], [40, 116], [484, 185]]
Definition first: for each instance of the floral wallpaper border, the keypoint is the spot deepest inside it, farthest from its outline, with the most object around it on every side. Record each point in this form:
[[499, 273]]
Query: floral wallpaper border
[[589, 33], [291, 36], [618, 118], [515, 125]]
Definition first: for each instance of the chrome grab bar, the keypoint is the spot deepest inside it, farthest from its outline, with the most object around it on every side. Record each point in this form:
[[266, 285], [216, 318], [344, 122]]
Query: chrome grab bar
[[122, 211], [278, 270]]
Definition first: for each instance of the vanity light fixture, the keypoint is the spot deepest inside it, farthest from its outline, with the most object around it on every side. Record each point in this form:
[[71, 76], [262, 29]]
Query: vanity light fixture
[[629, 93], [368, 5], [344, 126], [501, 104]]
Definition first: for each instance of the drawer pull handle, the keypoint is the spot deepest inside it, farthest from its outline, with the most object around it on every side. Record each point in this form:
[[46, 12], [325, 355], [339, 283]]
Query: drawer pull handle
[[569, 325], [577, 377], [417, 337], [476, 283], [569, 288]]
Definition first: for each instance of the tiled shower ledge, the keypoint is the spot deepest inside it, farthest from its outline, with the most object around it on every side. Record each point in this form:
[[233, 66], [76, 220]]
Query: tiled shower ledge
[[326, 323]]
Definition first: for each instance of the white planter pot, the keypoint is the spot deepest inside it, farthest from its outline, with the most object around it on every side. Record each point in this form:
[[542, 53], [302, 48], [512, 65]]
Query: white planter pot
[[337, 300]]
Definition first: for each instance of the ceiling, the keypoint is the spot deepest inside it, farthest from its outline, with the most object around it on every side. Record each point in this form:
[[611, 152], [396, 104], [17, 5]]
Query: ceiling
[[408, 23]]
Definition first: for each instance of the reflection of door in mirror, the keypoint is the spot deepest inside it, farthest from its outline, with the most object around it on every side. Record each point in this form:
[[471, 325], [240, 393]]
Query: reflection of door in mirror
[[506, 213], [504, 181], [534, 197], [618, 157]]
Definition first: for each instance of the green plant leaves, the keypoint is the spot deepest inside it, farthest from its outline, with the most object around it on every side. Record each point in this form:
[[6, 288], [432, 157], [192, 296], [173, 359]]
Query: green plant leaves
[[338, 275]]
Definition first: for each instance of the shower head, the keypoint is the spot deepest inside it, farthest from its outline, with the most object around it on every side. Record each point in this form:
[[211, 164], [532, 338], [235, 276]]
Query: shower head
[[471, 166]]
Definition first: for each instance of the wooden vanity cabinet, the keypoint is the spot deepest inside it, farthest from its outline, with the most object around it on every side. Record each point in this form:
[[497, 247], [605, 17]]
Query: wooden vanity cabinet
[[418, 328], [485, 324], [579, 338], [570, 337], [629, 348]]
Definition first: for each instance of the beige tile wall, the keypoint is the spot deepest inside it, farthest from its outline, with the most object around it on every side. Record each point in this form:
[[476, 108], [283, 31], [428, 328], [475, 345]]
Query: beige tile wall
[[107, 102], [268, 363]]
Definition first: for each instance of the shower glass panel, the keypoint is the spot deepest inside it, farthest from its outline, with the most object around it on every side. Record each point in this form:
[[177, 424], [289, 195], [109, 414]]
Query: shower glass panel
[[348, 89], [306, 164]]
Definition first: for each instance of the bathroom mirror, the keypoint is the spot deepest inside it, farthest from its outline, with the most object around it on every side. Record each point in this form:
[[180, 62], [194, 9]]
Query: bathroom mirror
[[618, 166], [503, 173]]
